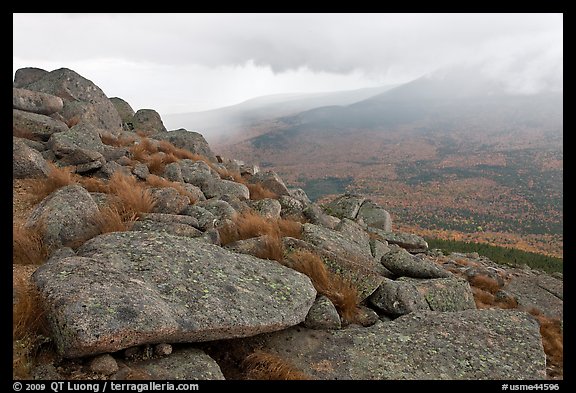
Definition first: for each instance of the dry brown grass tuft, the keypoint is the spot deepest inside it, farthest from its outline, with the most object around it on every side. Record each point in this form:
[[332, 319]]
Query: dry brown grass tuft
[[157, 181], [506, 303], [267, 366], [290, 228], [156, 163], [552, 338], [93, 184], [258, 191], [484, 282], [29, 326], [28, 248], [139, 153], [247, 225], [338, 289], [57, 178], [110, 140], [133, 197], [111, 219], [482, 298]]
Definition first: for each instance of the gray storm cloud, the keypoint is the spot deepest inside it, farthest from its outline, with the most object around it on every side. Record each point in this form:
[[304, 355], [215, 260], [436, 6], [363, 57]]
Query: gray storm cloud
[[523, 49]]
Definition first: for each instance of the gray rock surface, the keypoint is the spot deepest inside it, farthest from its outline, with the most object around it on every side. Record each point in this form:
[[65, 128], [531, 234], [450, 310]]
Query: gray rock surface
[[540, 291], [36, 102], [188, 364], [66, 216], [444, 294], [168, 200], [217, 188], [424, 345], [398, 298], [130, 288], [173, 228], [337, 242], [82, 99], [125, 111], [268, 208], [35, 126], [189, 140], [271, 181], [402, 263], [103, 364], [345, 206], [323, 315], [27, 75], [410, 242], [82, 136], [27, 162], [148, 122], [375, 216]]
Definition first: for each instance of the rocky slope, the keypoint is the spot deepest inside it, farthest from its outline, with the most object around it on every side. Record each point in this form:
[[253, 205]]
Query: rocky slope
[[157, 259]]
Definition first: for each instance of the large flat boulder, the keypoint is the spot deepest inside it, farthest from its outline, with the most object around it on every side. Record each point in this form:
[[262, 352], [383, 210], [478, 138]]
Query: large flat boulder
[[423, 345], [35, 126], [540, 291], [131, 288], [27, 162], [188, 140]]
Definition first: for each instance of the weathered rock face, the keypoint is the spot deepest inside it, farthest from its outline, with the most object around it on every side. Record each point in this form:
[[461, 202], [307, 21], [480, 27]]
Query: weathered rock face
[[271, 181], [402, 263], [148, 121], [323, 315], [345, 206], [25, 76], [540, 291], [27, 162], [130, 288], [410, 242], [375, 216], [189, 140], [445, 294], [472, 344], [189, 364], [82, 99], [36, 102], [398, 298], [35, 126], [335, 242], [66, 216], [125, 112]]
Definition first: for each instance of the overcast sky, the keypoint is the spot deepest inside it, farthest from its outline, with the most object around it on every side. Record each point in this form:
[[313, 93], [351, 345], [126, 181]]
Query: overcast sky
[[192, 62]]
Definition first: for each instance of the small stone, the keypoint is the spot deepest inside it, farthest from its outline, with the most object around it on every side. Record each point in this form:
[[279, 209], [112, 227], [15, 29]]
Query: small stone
[[104, 364], [163, 349]]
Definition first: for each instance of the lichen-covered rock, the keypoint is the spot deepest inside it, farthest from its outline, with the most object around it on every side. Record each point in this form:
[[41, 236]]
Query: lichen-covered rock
[[173, 172], [423, 345], [35, 126], [337, 242], [125, 112], [345, 206], [83, 100], [354, 233], [36, 102], [168, 200], [540, 291], [197, 173], [24, 76], [409, 241], [402, 263], [315, 215], [221, 210], [188, 140], [444, 294], [173, 228], [398, 297], [290, 207], [267, 207], [187, 364], [217, 188], [66, 216], [81, 136], [27, 162], [323, 315], [148, 122], [375, 216], [271, 181], [131, 288], [300, 195]]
